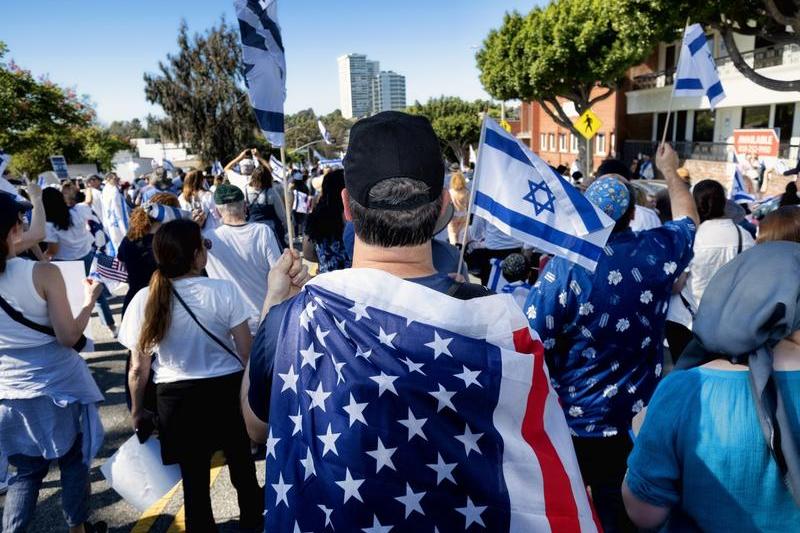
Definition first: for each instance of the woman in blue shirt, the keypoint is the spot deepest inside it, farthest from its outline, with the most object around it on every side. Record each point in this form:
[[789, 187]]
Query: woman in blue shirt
[[701, 461]]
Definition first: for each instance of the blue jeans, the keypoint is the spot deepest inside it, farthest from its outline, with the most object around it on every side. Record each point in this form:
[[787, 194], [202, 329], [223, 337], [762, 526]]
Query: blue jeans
[[102, 307], [23, 489]]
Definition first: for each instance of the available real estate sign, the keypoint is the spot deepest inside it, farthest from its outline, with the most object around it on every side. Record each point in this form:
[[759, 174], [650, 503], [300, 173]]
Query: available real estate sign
[[763, 142]]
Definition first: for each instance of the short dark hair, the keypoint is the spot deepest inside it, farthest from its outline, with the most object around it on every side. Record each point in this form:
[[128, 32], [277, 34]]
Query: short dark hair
[[390, 228], [709, 196]]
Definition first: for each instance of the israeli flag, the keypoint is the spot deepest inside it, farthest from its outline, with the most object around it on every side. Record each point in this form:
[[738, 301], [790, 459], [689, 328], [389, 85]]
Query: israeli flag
[[739, 193], [276, 167], [167, 165], [326, 136], [318, 156], [5, 160], [217, 168], [265, 64], [523, 197], [697, 73]]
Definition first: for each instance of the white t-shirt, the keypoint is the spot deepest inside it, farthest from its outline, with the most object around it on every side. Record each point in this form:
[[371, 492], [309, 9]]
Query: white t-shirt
[[75, 242], [187, 352], [205, 201], [96, 197], [644, 219], [715, 245], [244, 255]]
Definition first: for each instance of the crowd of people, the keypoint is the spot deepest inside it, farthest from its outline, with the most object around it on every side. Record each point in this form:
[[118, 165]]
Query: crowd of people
[[215, 293]]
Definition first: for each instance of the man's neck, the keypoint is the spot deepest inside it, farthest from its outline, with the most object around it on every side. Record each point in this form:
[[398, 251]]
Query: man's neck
[[230, 221], [403, 262]]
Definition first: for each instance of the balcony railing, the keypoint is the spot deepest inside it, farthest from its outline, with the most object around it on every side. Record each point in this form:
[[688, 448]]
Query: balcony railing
[[707, 151], [769, 56]]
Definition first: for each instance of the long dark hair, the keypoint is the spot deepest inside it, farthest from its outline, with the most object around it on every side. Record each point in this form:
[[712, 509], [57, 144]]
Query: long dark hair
[[55, 208], [5, 229], [709, 196], [174, 247], [326, 221], [262, 177]]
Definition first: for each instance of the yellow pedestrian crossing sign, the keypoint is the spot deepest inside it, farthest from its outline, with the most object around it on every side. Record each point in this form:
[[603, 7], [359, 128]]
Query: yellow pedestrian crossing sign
[[588, 124]]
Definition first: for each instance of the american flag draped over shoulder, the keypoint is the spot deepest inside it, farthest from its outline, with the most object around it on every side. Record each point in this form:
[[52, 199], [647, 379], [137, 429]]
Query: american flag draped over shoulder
[[395, 407]]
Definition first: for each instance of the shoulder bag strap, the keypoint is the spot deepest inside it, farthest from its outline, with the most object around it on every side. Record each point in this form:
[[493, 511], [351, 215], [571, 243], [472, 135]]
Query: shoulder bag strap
[[16, 316], [739, 235], [211, 335]]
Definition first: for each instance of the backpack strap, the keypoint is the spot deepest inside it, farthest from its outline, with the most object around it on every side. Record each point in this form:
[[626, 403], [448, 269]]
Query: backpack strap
[[211, 335]]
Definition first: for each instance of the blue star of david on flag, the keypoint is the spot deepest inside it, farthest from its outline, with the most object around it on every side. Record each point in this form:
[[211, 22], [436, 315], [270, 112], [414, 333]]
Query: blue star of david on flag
[[540, 207]]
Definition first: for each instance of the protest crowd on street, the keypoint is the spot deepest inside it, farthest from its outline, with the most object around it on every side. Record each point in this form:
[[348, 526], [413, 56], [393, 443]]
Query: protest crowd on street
[[404, 335]]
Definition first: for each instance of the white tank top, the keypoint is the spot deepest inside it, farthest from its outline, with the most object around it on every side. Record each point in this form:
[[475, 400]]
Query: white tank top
[[16, 287]]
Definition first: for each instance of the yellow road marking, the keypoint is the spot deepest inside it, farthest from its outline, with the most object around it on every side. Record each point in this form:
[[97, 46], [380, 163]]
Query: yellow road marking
[[179, 524], [149, 517]]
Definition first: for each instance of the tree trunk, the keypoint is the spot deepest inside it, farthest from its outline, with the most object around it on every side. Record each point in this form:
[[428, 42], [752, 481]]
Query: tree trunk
[[749, 72]]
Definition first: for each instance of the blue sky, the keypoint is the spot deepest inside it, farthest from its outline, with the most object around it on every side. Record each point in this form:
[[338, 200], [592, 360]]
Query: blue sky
[[102, 47]]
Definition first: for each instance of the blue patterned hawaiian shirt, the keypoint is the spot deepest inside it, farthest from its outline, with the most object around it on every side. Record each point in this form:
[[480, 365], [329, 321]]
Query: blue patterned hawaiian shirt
[[603, 330]]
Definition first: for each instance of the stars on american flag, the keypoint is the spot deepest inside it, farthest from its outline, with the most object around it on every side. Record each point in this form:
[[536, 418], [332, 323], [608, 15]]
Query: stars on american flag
[[371, 409], [351, 487], [355, 411], [439, 345]]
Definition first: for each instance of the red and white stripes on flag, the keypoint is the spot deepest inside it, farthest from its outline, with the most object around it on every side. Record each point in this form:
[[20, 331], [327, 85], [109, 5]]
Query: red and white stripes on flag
[[396, 347]]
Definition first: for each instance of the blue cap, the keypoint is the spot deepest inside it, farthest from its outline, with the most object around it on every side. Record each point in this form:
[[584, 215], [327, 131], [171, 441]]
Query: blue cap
[[611, 196]]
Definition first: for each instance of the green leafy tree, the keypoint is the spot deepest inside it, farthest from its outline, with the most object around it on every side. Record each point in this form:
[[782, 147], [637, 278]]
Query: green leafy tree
[[302, 129], [559, 53], [202, 92], [40, 119], [130, 129], [456, 122], [776, 21]]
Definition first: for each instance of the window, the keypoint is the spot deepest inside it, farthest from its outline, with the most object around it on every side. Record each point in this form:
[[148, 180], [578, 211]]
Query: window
[[680, 128], [613, 144], [669, 57], [784, 118], [600, 147], [573, 143], [562, 142], [755, 117], [552, 138], [542, 142], [703, 126]]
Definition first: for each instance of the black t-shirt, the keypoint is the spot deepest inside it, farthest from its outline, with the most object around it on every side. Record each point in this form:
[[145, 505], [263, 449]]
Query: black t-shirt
[[140, 263], [262, 355]]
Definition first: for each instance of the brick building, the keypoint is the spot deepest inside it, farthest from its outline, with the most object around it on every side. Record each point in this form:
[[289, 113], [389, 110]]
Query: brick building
[[558, 145], [634, 117]]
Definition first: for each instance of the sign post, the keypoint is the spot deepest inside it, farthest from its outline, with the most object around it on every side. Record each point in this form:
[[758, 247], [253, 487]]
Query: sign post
[[762, 142], [59, 164], [588, 124]]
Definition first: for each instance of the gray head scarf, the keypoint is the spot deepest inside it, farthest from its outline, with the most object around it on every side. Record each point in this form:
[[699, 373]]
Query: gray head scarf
[[748, 307]]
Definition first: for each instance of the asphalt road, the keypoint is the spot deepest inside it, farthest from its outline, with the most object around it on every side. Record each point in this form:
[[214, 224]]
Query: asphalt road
[[107, 364]]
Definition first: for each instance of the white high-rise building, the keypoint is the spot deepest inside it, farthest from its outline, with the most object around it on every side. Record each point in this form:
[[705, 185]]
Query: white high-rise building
[[388, 92], [356, 73]]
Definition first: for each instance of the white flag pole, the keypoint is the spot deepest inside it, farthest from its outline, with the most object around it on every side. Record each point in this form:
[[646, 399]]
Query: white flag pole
[[474, 188], [672, 93], [286, 201]]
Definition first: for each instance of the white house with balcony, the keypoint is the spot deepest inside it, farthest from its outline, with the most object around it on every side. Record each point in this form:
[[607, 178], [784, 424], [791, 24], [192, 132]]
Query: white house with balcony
[[700, 133]]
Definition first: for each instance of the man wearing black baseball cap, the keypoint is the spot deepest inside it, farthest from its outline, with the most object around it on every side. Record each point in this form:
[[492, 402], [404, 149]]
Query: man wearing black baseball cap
[[394, 195]]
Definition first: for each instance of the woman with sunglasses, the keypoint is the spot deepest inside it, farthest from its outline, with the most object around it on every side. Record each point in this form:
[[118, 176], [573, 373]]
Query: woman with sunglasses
[[197, 328], [48, 399]]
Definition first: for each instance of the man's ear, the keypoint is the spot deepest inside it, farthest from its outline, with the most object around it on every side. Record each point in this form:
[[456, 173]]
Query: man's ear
[[346, 201]]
